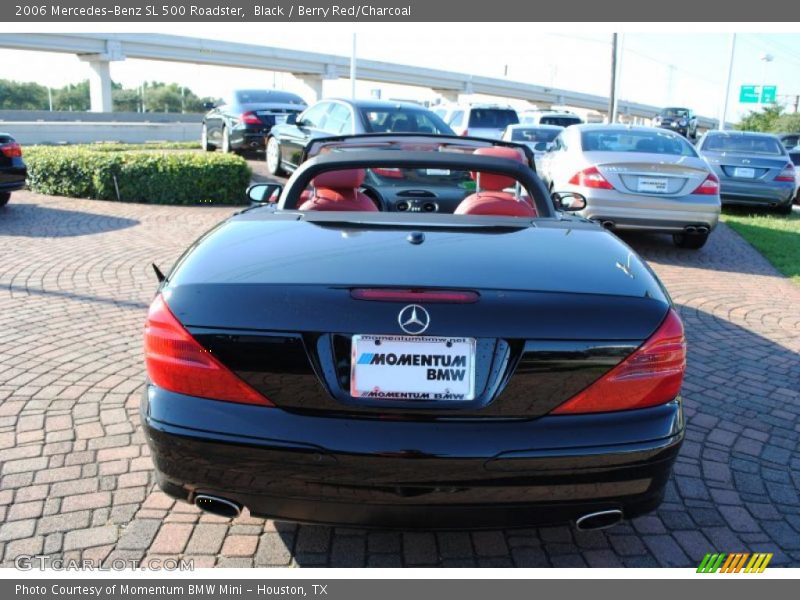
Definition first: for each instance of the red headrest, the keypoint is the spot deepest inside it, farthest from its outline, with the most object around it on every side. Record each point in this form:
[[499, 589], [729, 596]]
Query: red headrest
[[343, 179], [490, 181]]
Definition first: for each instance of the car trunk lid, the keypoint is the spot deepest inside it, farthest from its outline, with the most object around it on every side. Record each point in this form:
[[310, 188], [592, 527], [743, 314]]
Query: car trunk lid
[[285, 318], [649, 174]]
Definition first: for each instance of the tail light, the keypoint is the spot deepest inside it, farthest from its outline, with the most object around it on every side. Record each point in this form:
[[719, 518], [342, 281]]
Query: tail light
[[178, 363], [787, 174], [710, 187], [11, 150], [465, 133], [398, 295], [652, 375], [388, 172], [591, 178], [250, 118]]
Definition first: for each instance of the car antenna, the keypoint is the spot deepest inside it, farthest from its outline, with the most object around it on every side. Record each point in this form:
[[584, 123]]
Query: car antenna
[[159, 275]]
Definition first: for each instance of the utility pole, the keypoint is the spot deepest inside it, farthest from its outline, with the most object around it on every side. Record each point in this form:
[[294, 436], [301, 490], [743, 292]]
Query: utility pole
[[727, 89], [612, 98]]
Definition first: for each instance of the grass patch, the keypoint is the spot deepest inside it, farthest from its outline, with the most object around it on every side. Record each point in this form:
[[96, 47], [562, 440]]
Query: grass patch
[[777, 237]]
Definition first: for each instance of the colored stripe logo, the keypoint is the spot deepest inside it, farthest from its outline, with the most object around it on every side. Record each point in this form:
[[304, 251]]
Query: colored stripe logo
[[735, 563]]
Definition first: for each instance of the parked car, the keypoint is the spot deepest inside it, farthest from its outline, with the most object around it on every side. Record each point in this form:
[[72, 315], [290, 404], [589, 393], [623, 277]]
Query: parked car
[[794, 156], [410, 370], [12, 168], [754, 169], [537, 137], [561, 118], [641, 178], [790, 140], [243, 120], [336, 116], [481, 120], [681, 120]]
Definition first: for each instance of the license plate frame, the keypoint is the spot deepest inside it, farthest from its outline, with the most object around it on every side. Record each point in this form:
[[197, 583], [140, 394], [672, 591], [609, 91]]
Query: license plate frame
[[744, 172], [652, 185], [403, 380]]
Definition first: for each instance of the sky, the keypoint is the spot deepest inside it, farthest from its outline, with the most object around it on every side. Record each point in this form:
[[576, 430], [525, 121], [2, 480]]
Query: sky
[[656, 68]]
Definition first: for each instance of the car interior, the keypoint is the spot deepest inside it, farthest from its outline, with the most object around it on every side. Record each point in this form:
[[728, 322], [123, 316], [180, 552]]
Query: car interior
[[422, 190]]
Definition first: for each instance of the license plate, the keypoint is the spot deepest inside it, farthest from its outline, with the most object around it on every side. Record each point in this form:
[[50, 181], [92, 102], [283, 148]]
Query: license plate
[[745, 172], [406, 368], [652, 185]]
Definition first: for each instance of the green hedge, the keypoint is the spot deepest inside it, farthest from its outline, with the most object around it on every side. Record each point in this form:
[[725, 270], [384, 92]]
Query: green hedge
[[155, 177]]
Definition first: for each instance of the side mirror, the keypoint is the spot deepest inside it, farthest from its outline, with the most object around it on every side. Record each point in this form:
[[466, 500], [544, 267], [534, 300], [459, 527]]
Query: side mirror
[[569, 201], [264, 193], [209, 105], [541, 146]]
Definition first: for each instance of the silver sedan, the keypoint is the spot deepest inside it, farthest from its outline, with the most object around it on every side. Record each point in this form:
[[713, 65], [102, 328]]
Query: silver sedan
[[636, 178]]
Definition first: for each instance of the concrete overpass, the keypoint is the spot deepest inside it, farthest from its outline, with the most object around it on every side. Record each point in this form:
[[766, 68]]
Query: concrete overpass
[[100, 49]]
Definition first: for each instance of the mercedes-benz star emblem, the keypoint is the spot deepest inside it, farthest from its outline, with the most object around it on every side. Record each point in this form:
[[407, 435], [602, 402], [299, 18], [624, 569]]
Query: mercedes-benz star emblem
[[414, 319]]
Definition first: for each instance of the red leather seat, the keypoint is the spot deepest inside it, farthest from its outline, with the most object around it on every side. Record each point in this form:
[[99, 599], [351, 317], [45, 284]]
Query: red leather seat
[[338, 190], [490, 199]]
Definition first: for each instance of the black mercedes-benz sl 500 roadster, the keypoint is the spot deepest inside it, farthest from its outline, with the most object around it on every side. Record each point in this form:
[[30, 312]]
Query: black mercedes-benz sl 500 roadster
[[413, 333]]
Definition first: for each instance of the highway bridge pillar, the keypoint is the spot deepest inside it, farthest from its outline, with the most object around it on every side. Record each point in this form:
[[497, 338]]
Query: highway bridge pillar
[[313, 83], [100, 86]]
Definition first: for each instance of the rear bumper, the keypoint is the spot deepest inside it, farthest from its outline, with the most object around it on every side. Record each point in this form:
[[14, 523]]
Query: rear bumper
[[650, 213], [12, 178], [398, 474], [757, 194], [249, 137]]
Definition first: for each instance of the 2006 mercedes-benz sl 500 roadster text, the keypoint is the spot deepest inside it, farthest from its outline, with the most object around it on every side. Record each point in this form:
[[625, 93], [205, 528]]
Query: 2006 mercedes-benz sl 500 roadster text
[[413, 333]]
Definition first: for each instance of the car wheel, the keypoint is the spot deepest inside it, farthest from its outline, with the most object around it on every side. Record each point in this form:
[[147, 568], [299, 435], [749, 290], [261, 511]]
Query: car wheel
[[204, 140], [4, 198], [226, 141], [274, 157], [784, 209], [691, 241]]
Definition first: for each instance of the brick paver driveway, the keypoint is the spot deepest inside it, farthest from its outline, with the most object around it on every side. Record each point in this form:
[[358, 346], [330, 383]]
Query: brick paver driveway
[[75, 280]]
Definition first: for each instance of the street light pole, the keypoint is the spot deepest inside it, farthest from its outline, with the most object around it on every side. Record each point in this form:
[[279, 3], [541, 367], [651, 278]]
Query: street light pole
[[612, 97], [727, 89]]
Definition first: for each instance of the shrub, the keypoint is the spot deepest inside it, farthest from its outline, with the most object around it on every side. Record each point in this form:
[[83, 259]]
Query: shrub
[[155, 177]]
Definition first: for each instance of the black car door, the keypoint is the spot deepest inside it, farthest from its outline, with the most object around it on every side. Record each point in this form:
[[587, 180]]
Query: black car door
[[309, 124]]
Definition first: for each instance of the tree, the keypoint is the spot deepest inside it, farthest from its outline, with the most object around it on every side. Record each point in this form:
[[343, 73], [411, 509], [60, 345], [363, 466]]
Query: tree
[[126, 100], [789, 123], [24, 96], [73, 97], [761, 121]]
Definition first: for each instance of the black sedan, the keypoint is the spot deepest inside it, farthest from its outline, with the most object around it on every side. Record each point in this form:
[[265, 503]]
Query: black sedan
[[336, 116], [496, 362], [242, 121], [682, 120], [12, 168]]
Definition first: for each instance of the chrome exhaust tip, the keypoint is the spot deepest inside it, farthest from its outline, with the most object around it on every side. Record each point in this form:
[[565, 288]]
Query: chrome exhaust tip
[[218, 506], [608, 224], [690, 229], [599, 520], [703, 229]]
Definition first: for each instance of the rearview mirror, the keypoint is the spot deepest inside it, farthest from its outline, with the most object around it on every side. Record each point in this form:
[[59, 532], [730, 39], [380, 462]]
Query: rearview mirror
[[569, 201], [264, 193]]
